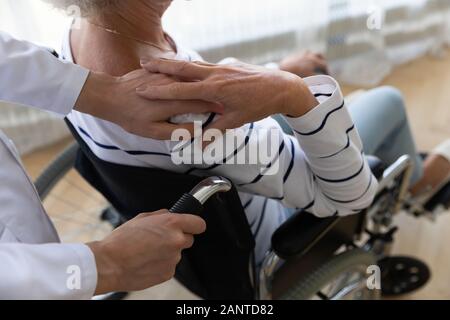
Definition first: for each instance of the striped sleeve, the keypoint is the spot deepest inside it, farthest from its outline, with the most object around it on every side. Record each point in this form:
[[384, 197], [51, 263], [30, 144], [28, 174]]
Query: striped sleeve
[[322, 169], [334, 151]]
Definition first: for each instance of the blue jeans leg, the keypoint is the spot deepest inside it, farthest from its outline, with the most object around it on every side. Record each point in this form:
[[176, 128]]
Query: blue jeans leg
[[382, 122]]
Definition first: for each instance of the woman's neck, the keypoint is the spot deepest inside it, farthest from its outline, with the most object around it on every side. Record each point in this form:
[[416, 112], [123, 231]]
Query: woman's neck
[[138, 33], [135, 19]]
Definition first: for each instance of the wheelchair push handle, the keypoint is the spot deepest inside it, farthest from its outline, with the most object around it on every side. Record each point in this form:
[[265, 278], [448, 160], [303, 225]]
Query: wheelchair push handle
[[193, 202]]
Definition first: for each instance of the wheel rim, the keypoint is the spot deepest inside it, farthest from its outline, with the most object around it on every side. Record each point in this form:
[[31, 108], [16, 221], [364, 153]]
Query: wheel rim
[[76, 210], [350, 285]]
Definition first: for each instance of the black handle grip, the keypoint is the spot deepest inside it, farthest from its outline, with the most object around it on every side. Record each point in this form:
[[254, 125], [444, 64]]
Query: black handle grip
[[188, 204]]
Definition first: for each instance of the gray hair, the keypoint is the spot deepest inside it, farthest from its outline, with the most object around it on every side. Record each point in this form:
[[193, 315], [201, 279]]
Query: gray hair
[[87, 7]]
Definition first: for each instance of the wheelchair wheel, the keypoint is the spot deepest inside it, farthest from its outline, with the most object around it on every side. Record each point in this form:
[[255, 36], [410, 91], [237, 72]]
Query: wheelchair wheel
[[342, 278], [79, 213]]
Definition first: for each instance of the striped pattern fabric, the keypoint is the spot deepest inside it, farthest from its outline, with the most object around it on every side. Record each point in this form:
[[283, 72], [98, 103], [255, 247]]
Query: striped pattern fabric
[[322, 169]]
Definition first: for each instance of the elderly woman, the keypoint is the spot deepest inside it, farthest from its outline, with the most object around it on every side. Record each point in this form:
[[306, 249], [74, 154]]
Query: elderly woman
[[321, 168]]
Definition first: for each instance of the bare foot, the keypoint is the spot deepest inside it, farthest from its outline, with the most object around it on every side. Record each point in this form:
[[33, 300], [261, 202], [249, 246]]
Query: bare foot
[[436, 172]]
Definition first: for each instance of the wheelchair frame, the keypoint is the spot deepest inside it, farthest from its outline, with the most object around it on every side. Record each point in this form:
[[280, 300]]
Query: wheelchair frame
[[392, 197]]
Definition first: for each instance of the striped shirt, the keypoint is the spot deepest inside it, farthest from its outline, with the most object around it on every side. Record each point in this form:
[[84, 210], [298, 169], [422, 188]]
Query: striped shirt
[[322, 169]]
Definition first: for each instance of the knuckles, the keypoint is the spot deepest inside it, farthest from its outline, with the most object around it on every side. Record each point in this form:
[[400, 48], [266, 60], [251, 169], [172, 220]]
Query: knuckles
[[182, 66], [178, 241]]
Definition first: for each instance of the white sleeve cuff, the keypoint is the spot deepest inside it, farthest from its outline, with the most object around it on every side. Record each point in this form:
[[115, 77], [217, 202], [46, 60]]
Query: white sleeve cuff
[[47, 271], [74, 81], [88, 268], [329, 95], [322, 130]]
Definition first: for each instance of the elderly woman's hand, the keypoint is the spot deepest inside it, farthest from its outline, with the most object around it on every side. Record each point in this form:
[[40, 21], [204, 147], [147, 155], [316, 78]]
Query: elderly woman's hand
[[305, 64], [247, 93], [115, 100]]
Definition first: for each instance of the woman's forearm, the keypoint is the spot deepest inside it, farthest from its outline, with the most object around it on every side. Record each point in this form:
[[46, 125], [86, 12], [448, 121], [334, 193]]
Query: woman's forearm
[[322, 168]]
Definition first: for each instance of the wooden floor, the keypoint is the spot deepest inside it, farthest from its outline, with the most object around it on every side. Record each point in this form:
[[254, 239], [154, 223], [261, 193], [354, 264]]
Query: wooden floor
[[425, 84]]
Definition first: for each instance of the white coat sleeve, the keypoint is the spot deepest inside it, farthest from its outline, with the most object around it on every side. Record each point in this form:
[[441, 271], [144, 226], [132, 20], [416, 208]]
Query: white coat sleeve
[[47, 271], [33, 77]]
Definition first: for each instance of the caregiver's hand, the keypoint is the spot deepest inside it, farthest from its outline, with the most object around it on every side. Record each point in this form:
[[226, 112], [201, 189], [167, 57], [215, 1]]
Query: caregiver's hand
[[247, 93], [114, 99], [145, 251]]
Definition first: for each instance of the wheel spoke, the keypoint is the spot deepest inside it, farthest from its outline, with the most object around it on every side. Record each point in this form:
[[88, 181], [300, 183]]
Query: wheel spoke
[[352, 288], [90, 195], [74, 218]]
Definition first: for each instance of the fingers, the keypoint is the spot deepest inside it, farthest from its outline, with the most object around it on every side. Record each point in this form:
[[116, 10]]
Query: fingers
[[204, 63], [224, 123], [320, 56], [152, 214], [188, 241], [163, 130], [174, 108], [182, 69], [179, 241], [190, 224], [322, 64], [175, 91]]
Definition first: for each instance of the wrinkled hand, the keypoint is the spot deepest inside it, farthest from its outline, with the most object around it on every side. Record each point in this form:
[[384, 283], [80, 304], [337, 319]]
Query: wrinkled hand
[[115, 100], [305, 64], [247, 93], [145, 251]]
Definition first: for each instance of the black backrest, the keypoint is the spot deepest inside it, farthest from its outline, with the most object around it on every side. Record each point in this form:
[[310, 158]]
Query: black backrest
[[217, 267]]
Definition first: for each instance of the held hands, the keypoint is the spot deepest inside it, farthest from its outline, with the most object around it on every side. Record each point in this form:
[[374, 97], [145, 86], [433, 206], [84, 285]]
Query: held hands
[[115, 100], [247, 93], [145, 251], [241, 92]]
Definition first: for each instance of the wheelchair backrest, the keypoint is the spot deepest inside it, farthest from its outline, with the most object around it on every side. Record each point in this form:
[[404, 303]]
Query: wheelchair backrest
[[217, 267]]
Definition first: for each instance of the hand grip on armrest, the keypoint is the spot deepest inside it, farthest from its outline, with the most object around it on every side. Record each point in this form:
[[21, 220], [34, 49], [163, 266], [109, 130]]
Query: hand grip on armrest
[[188, 204], [193, 202]]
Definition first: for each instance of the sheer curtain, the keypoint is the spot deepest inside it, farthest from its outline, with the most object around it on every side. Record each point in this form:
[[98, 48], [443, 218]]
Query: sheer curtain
[[363, 39], [32, 21], [256, 31], [367, 38]]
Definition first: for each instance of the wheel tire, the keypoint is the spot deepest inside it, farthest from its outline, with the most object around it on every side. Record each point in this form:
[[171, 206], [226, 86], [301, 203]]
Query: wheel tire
[[56, 170], [50, 177], [313, 283]]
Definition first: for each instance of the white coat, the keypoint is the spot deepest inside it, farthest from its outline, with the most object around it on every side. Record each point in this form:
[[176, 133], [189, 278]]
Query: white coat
[[33, 264]]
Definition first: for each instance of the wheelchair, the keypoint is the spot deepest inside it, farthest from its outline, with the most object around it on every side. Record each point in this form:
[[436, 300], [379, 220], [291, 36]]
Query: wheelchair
[[311, 258]]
